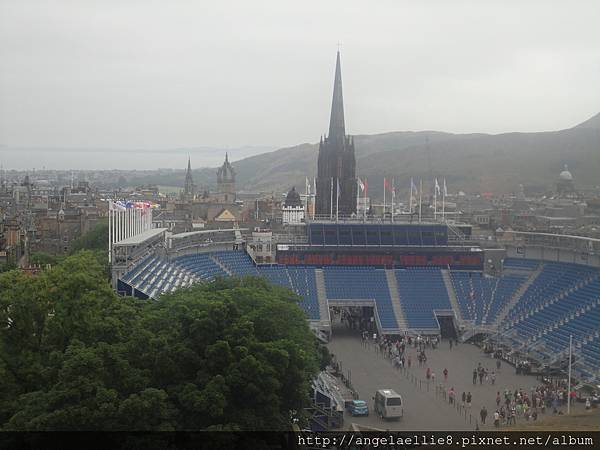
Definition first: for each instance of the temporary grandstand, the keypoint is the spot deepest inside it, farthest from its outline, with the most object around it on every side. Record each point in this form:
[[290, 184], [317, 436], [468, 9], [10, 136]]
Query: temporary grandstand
[[533, 305]]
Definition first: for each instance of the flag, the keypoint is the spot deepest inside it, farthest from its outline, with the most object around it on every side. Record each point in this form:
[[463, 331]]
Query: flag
[[115, 206], [413, 186], [338, 187], [437, 187], [388, 186], [366, 187], [361, 185], [445, 188], [307, 186]]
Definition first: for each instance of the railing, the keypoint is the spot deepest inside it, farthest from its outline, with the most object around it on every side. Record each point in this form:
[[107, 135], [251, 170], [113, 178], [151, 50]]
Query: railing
[[398, 218]]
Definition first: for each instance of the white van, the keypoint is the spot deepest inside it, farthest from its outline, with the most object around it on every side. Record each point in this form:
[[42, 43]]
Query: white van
[[388, 404]]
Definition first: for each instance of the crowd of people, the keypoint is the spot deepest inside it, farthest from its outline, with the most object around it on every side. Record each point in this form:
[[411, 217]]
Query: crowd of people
[[396, 349], [510, 404], [484, 374], [519, 403]]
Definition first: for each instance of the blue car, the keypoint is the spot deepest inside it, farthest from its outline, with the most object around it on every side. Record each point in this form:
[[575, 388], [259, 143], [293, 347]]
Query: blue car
[[358, 408]]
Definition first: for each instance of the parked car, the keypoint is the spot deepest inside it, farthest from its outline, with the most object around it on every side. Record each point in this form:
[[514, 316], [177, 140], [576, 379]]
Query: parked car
[[358, 408]]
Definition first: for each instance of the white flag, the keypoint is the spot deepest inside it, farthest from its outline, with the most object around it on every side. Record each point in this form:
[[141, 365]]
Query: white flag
[[362, 185], [307, 186], [437, 187], [445, 188], [114, 206], [413, 186]]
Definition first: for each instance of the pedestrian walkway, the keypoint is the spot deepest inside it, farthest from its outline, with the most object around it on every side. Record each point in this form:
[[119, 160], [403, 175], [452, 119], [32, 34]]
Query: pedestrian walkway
[[427, 405]]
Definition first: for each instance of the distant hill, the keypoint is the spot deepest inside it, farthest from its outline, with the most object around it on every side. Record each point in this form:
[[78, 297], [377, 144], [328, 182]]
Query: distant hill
[[472, 162]]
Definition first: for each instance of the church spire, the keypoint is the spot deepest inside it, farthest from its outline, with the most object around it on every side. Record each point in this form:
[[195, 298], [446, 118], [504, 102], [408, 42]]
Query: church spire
[[337, 129], [189, 181]]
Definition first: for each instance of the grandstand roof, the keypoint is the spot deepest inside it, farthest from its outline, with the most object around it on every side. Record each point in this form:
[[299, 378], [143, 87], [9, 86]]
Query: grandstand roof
[[214, 230], [570, 236], [144, 236]]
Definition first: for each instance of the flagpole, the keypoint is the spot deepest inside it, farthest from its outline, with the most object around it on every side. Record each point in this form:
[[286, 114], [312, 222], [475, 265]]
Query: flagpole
[[420, 195], [337, 199], [435, 189], [393, 195], [365, 197], [331, 202], [410, 203], [357, 195], [444, 202], [314, 197], [570, 360], [383, 198], [110, 207]]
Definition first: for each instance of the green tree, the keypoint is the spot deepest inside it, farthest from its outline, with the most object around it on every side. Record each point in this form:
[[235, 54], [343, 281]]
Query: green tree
[[42, 259], [232, 354], [95, 239]]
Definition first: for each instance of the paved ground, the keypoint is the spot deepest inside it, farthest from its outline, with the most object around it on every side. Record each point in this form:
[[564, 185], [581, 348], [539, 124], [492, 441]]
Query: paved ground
[[425, 407]]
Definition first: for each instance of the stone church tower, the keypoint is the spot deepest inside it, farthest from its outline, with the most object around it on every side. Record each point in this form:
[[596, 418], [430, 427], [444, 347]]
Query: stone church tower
[[336, 163], [189, 188], [226, 181]]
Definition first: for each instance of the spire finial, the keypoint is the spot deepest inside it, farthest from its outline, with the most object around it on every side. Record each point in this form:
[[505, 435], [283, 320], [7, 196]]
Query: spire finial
[[337, 128]]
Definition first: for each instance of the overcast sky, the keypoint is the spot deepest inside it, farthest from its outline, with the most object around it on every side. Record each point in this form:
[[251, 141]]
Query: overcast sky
[[163, 74]]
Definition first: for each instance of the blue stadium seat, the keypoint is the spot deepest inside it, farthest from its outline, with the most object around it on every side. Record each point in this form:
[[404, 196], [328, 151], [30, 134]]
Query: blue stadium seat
[[480, 298], [421, 291], [360, 283]]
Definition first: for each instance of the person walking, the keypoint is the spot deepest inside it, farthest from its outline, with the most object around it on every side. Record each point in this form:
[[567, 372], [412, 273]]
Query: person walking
[[445, 374], [464, 398], [497, 419], [428, 374], [469, 398], [483, 414], [493, 377], [451, 395], [474, 376]]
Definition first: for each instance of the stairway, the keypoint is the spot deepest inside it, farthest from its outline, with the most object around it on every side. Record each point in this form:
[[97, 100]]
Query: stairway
[[452, 296], [396, 304], [508, 306], [221, 265], [322, 297]]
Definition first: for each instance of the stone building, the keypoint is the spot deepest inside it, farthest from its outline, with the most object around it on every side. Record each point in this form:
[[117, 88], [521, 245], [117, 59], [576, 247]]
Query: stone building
[[336, 167]]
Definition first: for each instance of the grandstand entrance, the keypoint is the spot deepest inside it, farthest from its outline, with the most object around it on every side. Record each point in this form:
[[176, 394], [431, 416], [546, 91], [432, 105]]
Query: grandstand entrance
[[447, 326], [353, 317]]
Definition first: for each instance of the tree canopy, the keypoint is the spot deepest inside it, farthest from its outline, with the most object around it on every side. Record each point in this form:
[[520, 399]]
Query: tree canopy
[[95, 239], [232, 354]]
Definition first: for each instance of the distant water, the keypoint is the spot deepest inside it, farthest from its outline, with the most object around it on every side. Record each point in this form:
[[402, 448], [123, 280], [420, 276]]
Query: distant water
[[100, 159]]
